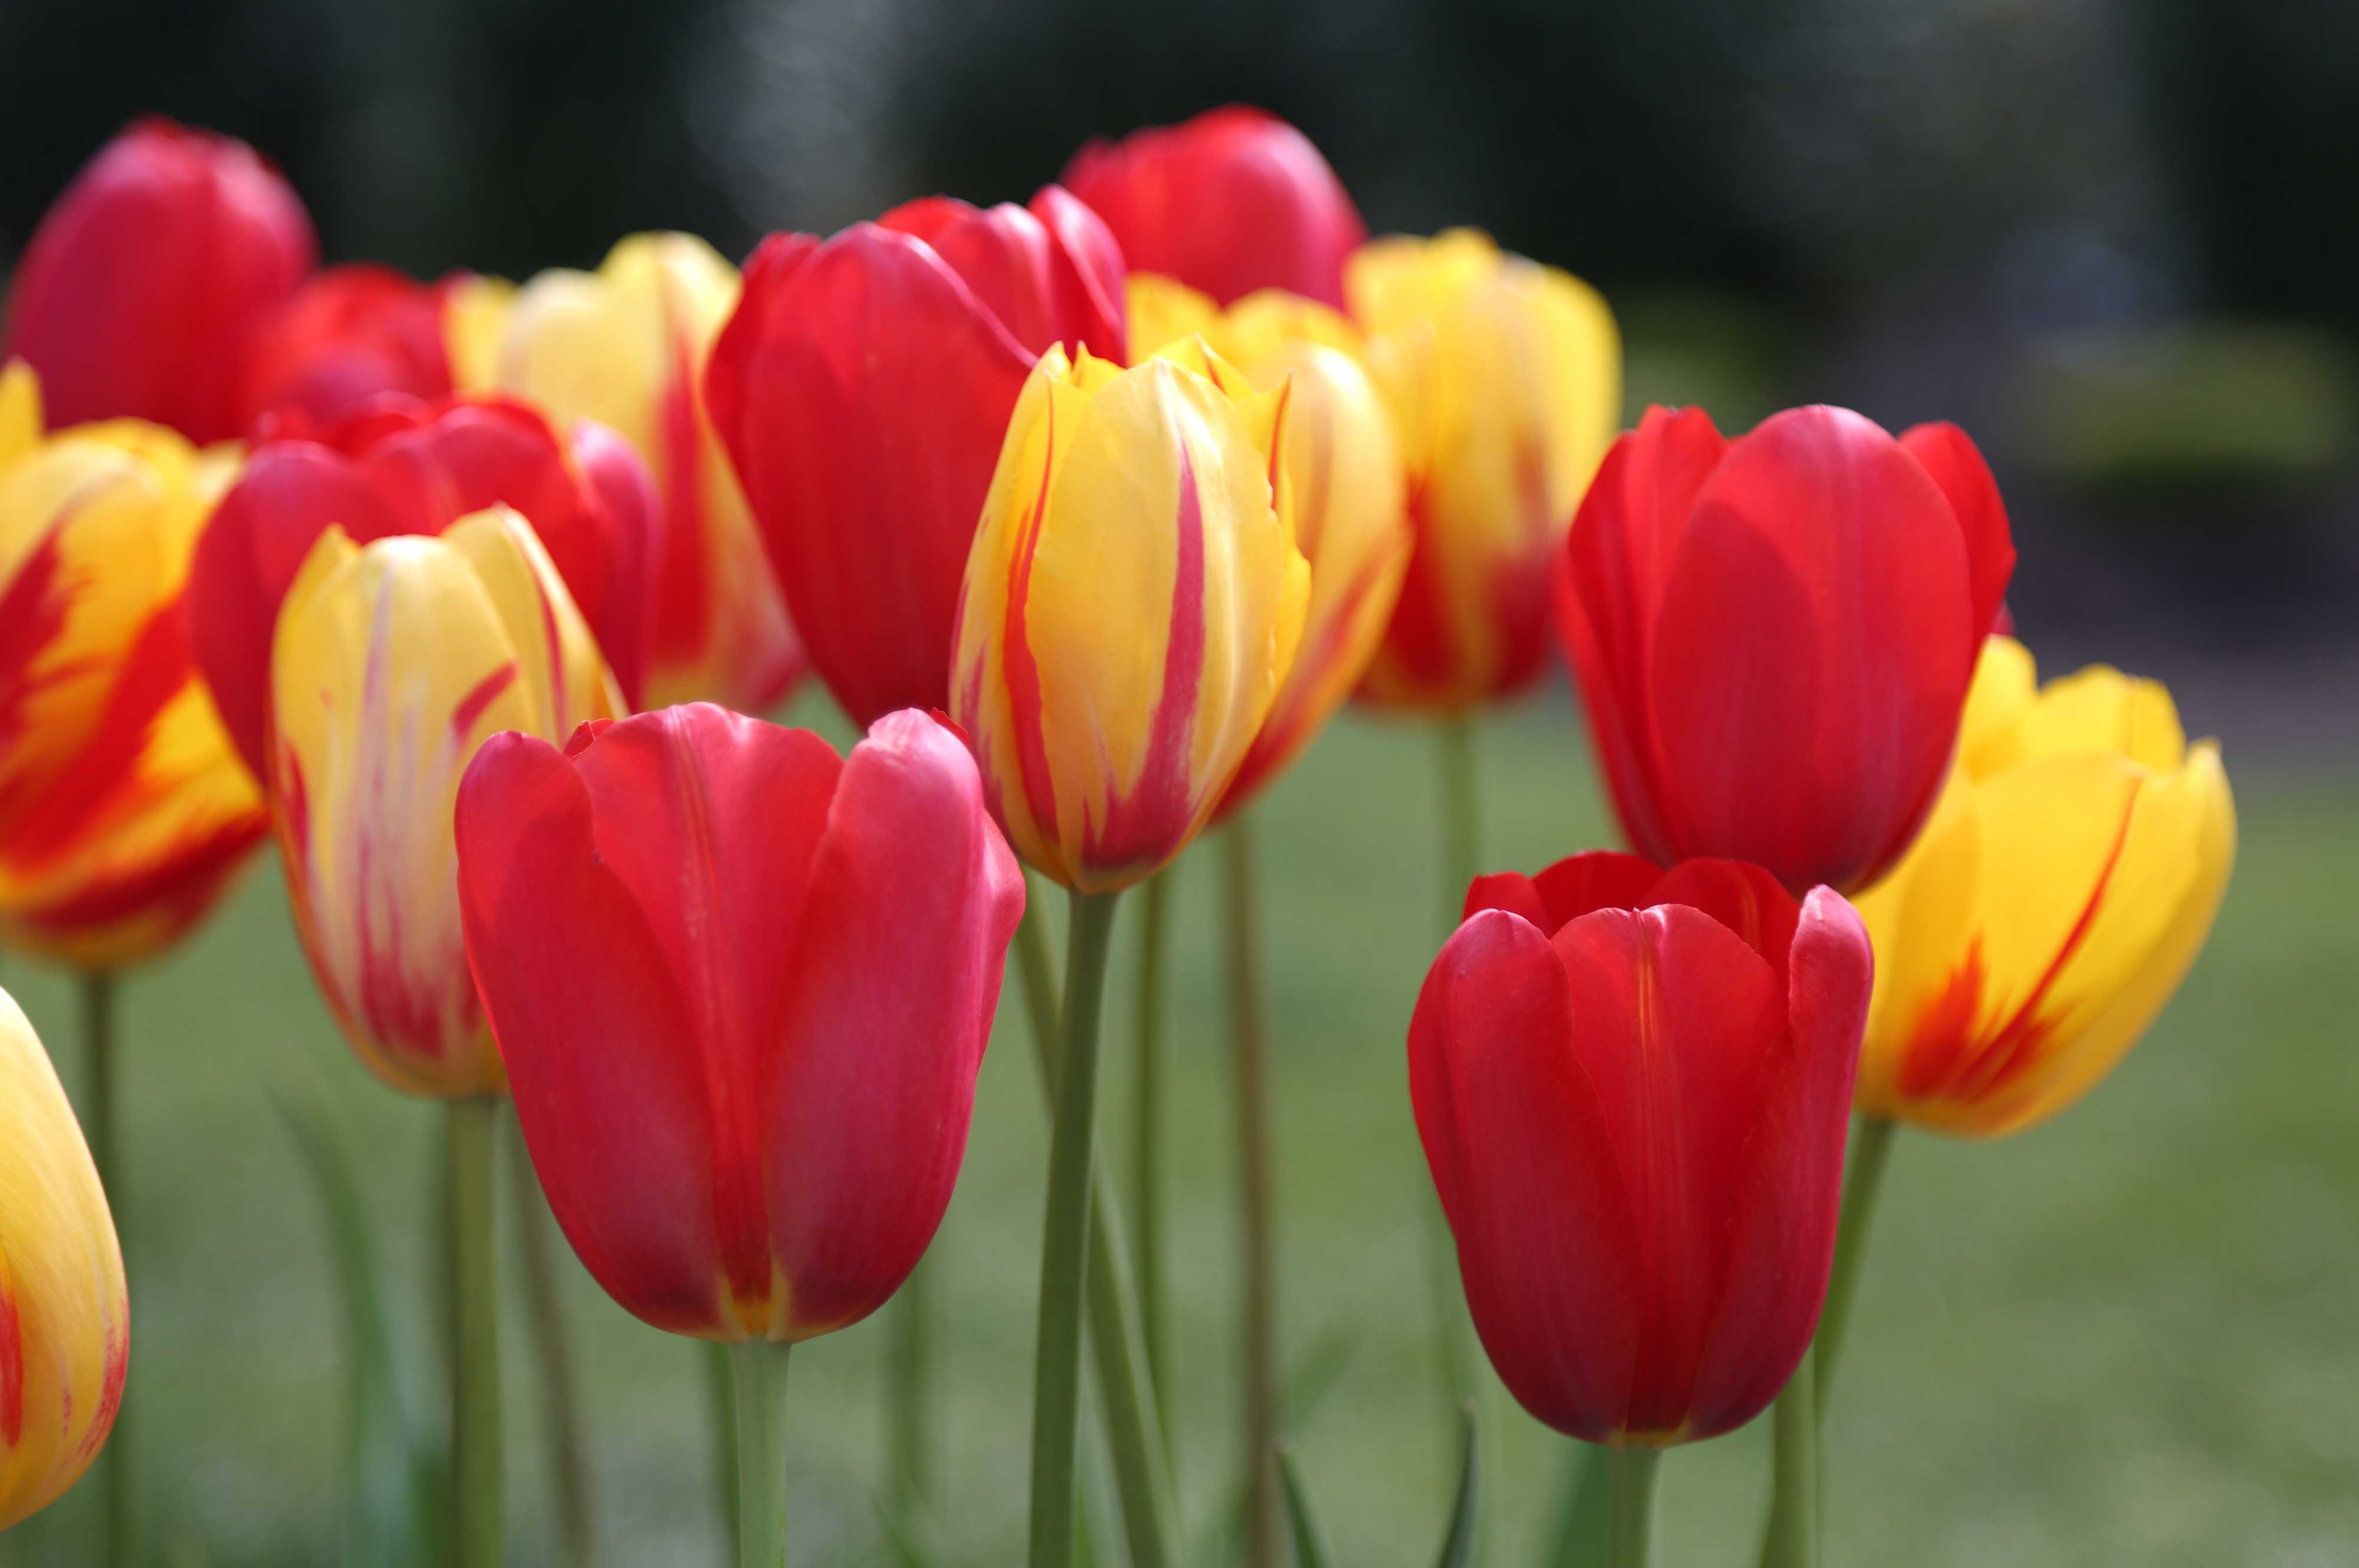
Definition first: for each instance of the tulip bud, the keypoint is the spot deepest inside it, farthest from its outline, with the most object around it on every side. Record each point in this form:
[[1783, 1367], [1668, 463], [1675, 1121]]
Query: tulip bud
[[626, 346], [124, 813], [1773, 636], [1504, 381], [1343, 469], [400, 466], [1633, 1086], [135, 293], [349, 335], [1133, 602], [1234, 200], [743, 989], [391, 664], [863, 387], [65, 1319], [2055, 899]]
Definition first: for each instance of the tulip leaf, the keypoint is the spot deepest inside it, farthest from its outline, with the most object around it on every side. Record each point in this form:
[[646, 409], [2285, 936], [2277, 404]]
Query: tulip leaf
[[1310, 1542], [390, 1507], [1458, 1546], [1580, 1535]]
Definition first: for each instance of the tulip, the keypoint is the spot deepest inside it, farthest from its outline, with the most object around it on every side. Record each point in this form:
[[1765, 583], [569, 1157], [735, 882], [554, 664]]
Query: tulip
[[398, 467], [1233, 200], [626, 346], [65, 1319], [1505, 380], [393, 661], [1133, 604], [1773, 636], [135, 294], [1632, 1087], [351, 334], [863, 387], [124, 815], [2057, 897]]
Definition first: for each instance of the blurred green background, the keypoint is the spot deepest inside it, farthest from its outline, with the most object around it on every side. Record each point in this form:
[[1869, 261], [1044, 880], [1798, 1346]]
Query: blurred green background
[[2114, 238]]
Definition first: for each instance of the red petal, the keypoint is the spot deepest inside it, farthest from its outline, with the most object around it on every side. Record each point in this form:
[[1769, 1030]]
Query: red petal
[[1740, 896], [1956, 464], [1600, 880], [1090, 273], [624, 529]]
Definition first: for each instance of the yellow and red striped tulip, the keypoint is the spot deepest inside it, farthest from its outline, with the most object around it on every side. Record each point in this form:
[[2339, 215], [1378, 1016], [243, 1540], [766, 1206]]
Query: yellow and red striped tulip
[[124, 812], [1133, 602], [391, 665], [625, 345], [65, 1319], [2062, 886], [1343, 466], [1505, 380]]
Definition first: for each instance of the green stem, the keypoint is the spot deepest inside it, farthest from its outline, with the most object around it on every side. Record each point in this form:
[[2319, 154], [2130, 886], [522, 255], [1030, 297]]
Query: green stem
[[1460, 856], [720, 1417], [1147, 1143], [1793, 1539], [120, 1459], [475, 1359], [1630, 1480], [759, 1371], [1461, 850], [1142, 1472], [905, 1381], [1065, 1235], [1869, 1151], [552, 1345], [1258, 1307]]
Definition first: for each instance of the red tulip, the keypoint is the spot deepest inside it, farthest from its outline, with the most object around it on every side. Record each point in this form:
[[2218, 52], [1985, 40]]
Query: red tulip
[[1233, 200], [402, 466], [862, 387], [1773, 636], [743, 989], [347, 335], [1633, 1086], [136, 291]]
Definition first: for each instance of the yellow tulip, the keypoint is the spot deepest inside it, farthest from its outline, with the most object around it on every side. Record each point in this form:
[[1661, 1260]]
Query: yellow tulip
[[391, 665], [65, 1319], [1133, 602], [1504, 381], [124, 812], [625, 345], [1344, 467], [474, 317], [2065, 881]]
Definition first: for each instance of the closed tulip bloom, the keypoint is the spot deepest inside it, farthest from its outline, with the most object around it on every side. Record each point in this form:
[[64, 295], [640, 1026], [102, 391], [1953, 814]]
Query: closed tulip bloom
[[1773, 636], [349, 335], [863, 387], [1133, 604], [1231, 202], [1343, 468], [393, 662], [402, 466], [743, 987], [1633, 1087], [135, 294], [65, 1319], [1505, 380], [2055, 899], [124, 813], [626, 346]]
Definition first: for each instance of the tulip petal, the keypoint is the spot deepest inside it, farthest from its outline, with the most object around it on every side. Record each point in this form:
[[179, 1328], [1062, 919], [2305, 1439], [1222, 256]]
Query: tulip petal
[[1956, 464], [1600, 880]]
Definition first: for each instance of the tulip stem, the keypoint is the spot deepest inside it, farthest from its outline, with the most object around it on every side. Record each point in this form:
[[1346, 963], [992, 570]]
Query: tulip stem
[[106, 1153], [760, 1378], [906, 1393], [1870, 1148], [1146, 1142], [1793, 1539], [552, 1344], [1065, 1234], [721, 1416], [1630, 1516], [1259, 1305], [475, 1323], [1462, 851], [1460, 856]]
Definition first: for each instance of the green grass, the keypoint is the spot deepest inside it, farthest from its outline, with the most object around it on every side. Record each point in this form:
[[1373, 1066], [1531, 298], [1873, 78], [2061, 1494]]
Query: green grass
[[2125, 1337]]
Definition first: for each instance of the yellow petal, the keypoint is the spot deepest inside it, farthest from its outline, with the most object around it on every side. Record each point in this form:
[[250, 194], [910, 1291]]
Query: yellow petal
[[2005, 686], [20, 412], [475, 315], [560, 666], [1161, 309]]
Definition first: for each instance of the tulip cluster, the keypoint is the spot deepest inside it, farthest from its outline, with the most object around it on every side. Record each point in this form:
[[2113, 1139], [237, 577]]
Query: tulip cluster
[[1091, 512]]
